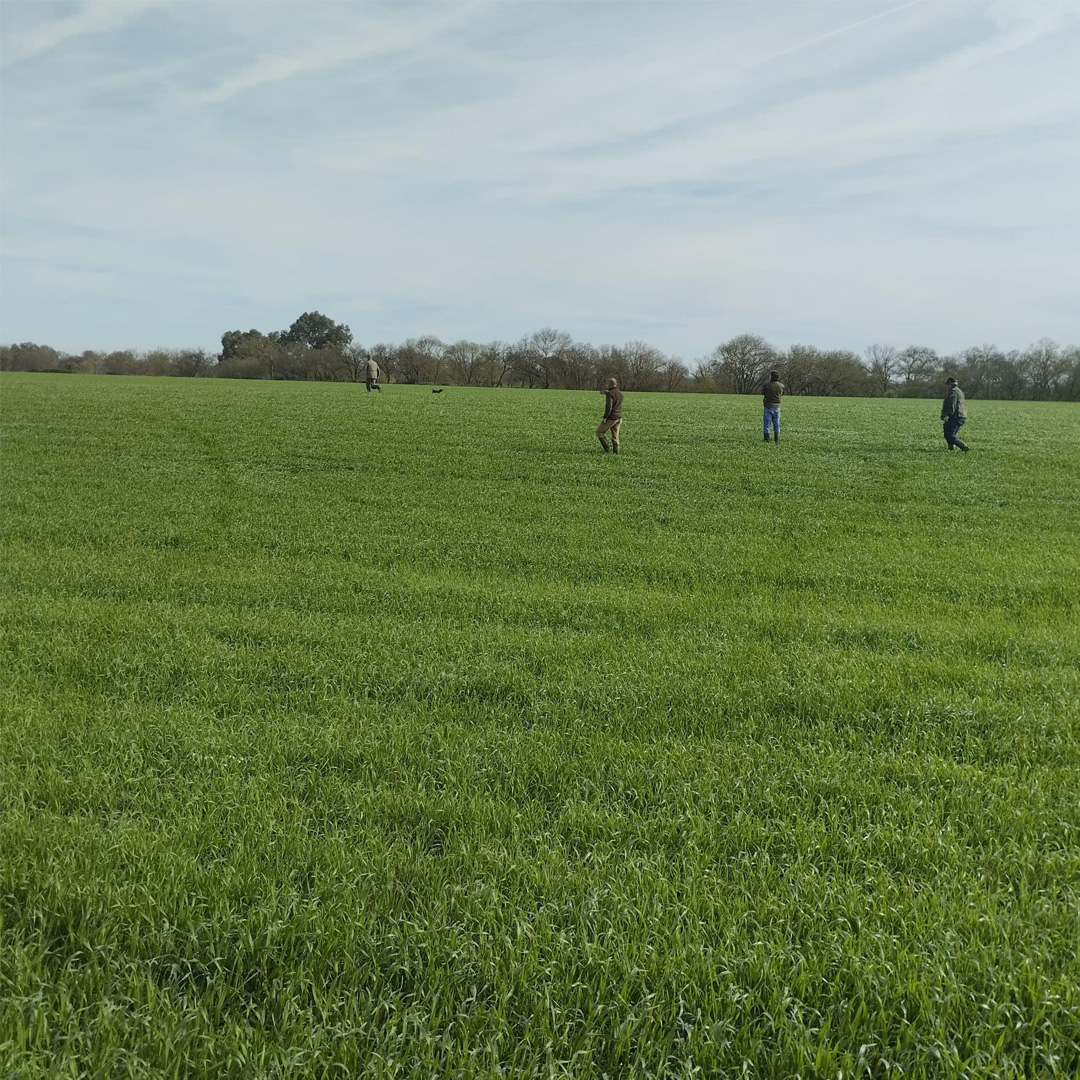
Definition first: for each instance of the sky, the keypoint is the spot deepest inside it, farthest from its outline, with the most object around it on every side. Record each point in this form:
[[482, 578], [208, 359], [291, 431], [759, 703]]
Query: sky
[[835, 173]]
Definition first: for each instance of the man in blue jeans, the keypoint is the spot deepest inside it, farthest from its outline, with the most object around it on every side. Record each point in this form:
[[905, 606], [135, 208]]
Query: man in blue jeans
[[953, 414], [772, 392]]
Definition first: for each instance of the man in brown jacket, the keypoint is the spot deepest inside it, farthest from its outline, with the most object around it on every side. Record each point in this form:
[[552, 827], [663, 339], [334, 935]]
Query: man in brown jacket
[[612, 416], [373, 374], [772, 392]]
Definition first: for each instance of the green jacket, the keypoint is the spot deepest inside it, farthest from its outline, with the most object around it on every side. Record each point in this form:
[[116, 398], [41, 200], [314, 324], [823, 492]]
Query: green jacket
[[954, 404]]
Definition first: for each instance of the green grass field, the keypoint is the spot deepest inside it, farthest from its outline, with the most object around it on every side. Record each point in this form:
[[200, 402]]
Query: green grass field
[[410, 736]]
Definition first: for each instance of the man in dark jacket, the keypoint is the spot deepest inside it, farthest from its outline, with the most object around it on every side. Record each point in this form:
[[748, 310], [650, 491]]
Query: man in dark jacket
[[612, 416], [772, 392], [953, 414]]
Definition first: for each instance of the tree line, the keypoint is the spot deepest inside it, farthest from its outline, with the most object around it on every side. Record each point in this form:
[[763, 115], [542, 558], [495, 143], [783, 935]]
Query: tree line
[[315, 347]]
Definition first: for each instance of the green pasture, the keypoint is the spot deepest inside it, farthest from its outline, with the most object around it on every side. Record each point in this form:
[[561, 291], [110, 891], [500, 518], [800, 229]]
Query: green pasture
[[407, 735]]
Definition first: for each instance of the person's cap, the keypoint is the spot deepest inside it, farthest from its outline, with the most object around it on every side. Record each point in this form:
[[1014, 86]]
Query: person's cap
[[613, 382], [951, 381]]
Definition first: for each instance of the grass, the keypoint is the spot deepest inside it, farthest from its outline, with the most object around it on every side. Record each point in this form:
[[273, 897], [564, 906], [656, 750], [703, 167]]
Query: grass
[[410, 736]]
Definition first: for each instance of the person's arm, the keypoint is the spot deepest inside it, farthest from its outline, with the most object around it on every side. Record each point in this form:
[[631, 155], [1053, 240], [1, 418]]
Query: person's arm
[[948, 406], [609, 404]]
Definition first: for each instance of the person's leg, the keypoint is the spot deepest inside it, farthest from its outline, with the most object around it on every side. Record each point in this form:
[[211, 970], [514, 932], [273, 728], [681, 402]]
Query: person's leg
[[615, 428], [952, 426], [772, 416], [765, 422], [601, 431], [368, 383], [957, 441]]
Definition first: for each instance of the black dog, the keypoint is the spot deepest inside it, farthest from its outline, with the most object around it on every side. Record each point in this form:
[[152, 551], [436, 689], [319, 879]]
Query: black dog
[[438, 391]]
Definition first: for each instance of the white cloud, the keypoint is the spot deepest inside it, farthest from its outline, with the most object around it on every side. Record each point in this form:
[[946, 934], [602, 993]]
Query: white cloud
[[39, 36]]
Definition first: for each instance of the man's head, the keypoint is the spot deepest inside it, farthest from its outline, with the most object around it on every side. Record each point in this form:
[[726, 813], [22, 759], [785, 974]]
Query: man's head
[[774, 375], [950, 381], [612, 383]]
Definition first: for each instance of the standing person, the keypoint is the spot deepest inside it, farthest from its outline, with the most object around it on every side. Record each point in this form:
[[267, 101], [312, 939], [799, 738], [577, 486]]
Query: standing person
[[772, 393], [373, 375], [612, 416], [953, 414]]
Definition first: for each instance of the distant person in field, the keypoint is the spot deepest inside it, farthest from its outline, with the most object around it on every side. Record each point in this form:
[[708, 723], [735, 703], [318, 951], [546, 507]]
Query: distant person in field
[[373, 374], [772, 393], [953, 414], [612, 416]]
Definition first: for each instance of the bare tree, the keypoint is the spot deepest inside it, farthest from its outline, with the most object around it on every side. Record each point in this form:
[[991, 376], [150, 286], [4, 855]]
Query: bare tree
[[918, 365], [463, 360], [497, 363], [421, 360], [674, 375], [1046, 368], [541, 356], [980, 370], [1014, 376], [883, 362], [1070, 385], [641, 365], [706, 376], [744, 361], [824, 373], [191, 363], [839, 373], [799, 366]]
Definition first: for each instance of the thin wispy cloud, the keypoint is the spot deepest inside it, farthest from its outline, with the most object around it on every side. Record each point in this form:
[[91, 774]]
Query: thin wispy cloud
[[820, 38], [39, 34], [678, 172], [376, 40]]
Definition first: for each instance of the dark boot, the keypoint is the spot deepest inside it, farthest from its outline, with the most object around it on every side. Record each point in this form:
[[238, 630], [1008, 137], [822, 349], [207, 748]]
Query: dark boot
[[776, 437], [963, 445], [766, 436], [603, 443], [614, 447]]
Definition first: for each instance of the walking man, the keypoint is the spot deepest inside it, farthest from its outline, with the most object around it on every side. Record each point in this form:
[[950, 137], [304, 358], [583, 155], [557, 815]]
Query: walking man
[[953, 414], [612, 416], [373, 375], [773, 392]]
